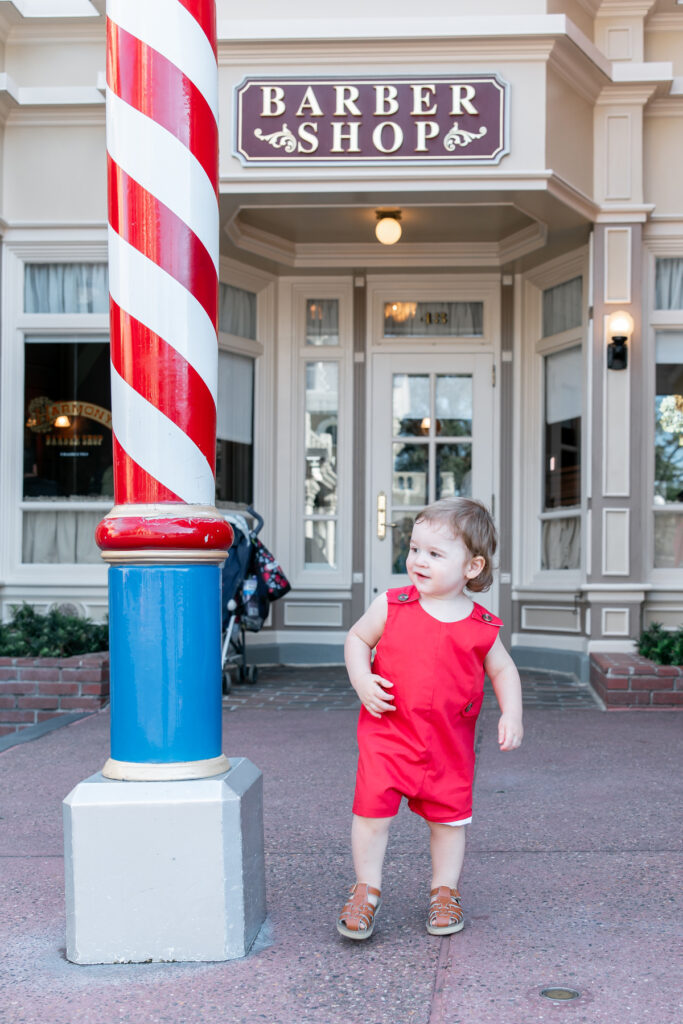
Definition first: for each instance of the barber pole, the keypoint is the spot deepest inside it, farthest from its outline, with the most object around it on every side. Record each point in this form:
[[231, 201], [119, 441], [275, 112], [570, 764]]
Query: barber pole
[[164, 540]]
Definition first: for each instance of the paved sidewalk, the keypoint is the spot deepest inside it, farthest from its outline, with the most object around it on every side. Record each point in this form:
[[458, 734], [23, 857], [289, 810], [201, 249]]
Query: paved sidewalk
[[570, 880], [287, 688]]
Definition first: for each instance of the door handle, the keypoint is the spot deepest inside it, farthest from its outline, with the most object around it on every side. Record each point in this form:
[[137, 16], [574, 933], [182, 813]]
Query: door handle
[[382, 524]]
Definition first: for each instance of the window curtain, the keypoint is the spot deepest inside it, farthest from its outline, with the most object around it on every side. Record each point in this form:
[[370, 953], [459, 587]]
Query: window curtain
[[235, 412], [237, 311], [563, 383], [562, 307], [669, 283], [61, 537], [561, 543], [66, 288]]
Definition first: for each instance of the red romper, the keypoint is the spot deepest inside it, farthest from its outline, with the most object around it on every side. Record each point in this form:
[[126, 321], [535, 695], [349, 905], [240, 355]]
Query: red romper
[[424, 750]]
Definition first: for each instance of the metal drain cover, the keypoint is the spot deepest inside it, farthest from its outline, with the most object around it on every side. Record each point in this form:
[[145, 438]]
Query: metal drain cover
[[560, 993]]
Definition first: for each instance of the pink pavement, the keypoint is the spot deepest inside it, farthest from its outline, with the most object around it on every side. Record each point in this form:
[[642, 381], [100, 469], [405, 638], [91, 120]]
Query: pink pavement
[[570, 880]]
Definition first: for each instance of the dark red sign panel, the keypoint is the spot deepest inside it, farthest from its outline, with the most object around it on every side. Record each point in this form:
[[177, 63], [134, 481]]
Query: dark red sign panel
[[459, 119]]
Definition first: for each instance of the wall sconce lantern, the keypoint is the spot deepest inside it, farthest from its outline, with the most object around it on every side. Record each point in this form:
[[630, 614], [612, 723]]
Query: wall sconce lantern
[[388, 227], [619, 331]]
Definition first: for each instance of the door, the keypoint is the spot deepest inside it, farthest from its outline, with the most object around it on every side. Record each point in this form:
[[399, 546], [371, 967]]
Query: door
[[431, 425]]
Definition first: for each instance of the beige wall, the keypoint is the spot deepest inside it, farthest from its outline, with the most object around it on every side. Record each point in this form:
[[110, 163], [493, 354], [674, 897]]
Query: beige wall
[[56, 63], [570, 134], [663, 159], [57, 174]]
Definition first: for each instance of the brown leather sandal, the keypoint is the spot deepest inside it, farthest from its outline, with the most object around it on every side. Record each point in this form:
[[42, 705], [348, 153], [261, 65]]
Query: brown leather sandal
[[357, 918], [446, 915]]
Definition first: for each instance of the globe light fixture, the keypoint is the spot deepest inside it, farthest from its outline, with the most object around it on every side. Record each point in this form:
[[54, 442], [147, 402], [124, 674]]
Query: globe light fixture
[[388, 227], [619, 330], [62, 421]]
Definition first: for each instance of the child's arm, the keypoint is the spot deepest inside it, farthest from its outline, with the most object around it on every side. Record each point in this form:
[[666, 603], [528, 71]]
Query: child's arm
[[507, 685], [360, 643]]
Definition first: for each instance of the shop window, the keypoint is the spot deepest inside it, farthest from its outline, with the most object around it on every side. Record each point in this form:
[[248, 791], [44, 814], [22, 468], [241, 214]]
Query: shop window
[[668, 484], [561, 533], [669, 283], [322, 321], [235, 429], [236, 311], [66, 288], [67, 446], [433, 319], [320, 483], [562, 307]]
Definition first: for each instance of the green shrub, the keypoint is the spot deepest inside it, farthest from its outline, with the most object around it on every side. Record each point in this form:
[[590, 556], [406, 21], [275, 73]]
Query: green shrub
[[663, 646], [55, 635]]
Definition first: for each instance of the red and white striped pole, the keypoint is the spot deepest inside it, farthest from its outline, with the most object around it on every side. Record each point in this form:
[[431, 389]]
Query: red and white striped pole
[[164, 539]]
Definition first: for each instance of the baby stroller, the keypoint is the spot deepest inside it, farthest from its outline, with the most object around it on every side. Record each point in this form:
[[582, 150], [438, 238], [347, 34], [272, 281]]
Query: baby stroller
[[251, 579]]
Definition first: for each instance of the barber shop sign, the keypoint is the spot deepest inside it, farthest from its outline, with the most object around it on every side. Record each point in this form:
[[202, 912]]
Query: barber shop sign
[[459, 119]]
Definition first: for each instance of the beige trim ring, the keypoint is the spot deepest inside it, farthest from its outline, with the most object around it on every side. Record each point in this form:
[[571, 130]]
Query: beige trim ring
[[131, 771]]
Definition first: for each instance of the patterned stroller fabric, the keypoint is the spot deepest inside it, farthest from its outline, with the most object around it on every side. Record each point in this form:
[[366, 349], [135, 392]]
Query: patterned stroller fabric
[[251, 579]]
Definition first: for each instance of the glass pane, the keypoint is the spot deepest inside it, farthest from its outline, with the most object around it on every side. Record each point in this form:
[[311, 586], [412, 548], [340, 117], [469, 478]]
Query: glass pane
[[433, 319], [561, 543], [61, 537], [410, 404], [454, 406], [562, 459], [400, 542], [669, 418], [67, 419], [66, 288], [320, 544], [453, 470], [669, 283], [322, 401], [411, 471], [668, 540], [322, 321], [562, 307], [234, 472], [236, 311]]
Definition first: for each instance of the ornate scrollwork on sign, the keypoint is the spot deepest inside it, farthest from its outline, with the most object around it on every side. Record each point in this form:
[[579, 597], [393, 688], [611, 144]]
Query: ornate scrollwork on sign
[[459, 137], [278, 140]]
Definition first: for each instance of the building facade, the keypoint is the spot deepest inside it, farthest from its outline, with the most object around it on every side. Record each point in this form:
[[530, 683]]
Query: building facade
[[532, 163]]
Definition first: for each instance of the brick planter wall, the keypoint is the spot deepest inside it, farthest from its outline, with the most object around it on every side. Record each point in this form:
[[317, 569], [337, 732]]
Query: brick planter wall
[[33, 689], [629, 681]]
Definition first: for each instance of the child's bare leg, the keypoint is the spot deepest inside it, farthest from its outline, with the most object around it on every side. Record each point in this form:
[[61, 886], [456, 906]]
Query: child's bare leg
[[448, 853], [369, 842]]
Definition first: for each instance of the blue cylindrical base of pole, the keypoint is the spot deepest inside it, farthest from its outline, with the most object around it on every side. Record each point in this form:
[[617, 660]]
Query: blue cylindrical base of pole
[[165, 656]]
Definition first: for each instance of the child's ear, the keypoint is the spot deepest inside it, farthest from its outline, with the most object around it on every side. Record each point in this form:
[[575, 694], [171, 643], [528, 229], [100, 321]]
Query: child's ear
[[476, 566]]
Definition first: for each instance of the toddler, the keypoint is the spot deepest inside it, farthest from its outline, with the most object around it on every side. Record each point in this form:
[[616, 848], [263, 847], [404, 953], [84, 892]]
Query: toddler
[[421, 697]]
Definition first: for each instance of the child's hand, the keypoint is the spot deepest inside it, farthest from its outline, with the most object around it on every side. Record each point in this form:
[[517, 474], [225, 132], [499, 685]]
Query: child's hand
[[510, 732], [372, 690]]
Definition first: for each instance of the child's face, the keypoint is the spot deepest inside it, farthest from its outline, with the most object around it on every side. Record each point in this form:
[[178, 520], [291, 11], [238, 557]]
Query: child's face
[[439, 564]]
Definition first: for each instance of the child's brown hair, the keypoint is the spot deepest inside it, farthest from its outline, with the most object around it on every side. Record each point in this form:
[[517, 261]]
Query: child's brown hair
[[470, 520]]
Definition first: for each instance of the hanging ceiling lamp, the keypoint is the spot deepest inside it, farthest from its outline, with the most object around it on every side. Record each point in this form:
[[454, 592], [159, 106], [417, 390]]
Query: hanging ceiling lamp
[[388, 227]]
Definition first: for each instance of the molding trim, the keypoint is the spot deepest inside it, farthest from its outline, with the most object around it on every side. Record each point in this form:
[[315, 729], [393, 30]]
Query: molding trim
[[370, 254]]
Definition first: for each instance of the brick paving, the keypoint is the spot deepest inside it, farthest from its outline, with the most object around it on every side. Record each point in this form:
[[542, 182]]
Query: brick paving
[[290, 687]]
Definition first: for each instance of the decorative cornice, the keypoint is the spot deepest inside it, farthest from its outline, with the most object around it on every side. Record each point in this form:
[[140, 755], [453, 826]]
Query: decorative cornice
[[667, 21], [370, 254], [625, 8], [622, 213]]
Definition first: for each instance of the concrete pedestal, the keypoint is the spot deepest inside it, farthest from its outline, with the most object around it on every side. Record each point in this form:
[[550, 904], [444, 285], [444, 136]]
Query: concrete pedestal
[[164, 871]]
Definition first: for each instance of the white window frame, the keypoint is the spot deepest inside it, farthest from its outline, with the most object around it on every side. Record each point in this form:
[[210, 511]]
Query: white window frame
[[261, 350], [20, 248], [293, 354], [660, 320], [530, 400]]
